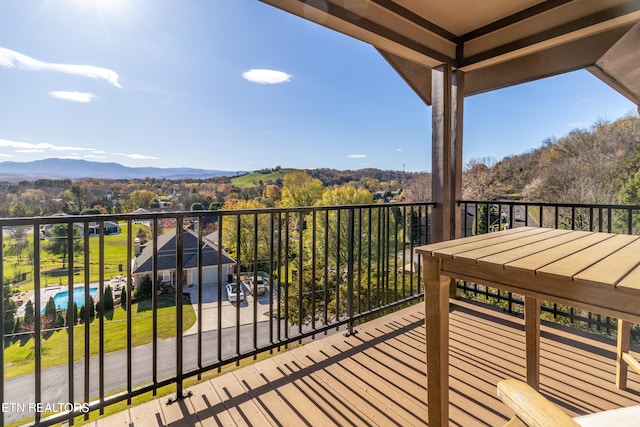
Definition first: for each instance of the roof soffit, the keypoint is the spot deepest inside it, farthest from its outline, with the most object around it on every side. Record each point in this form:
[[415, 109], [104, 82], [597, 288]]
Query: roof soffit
[[619, 67], [475, 36]]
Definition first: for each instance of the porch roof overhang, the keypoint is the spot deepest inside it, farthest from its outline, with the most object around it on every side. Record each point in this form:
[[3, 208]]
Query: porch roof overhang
[[496, 43]]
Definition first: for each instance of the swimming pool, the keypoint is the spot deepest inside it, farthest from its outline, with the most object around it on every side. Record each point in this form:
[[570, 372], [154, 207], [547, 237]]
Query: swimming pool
[[61, 298]]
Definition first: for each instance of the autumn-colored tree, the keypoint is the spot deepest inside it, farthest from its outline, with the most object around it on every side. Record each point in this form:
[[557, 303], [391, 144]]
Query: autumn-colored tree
[[346, 195], [418, 189], [140, 199], [246, 224], [300, 189]]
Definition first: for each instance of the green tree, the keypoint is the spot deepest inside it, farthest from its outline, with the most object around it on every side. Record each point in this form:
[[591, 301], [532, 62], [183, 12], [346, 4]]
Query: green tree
[[9, 311], [123, 298], [76, 315], [140, 199], [50, 308], [91, 211], [108, 299], [346, 195], [246, 225], [19, 242], [144, 288], [58, 241], [300, 189], [91, 308], [630, 192], [28, 313], [79, 195]]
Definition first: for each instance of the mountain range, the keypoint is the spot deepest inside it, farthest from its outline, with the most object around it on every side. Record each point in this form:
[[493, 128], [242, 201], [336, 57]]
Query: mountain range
[[78, 169]]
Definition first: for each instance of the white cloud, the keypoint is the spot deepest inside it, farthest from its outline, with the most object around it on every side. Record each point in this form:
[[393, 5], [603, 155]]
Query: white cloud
[[73, 96], [266, 77], [357, 156], [5, 155], [137, 156], [29, 147], [399, 149], [12, 59]]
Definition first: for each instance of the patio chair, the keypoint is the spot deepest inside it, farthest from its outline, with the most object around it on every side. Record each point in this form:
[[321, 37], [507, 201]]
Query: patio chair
[[534, 410]]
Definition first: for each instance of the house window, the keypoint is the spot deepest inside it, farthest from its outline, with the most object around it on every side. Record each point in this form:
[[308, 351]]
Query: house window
[[166, 276]]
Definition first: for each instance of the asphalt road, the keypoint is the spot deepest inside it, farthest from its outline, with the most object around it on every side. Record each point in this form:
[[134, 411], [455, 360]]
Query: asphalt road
[[21, 390]]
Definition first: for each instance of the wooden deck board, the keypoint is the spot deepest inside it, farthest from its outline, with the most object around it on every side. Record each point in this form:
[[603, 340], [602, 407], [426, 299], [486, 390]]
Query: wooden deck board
[[378, 377]]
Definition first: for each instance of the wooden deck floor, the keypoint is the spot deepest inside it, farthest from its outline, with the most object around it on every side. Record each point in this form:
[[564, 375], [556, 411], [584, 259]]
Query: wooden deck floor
[[377, 377]]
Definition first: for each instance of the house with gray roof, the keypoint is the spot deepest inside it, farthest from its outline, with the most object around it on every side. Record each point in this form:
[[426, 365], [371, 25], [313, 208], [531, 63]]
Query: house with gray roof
[[143, 262]]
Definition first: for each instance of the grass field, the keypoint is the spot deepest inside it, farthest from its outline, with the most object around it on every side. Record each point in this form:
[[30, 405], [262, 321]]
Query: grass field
[[19, 354], [253, 179], [51, 265]]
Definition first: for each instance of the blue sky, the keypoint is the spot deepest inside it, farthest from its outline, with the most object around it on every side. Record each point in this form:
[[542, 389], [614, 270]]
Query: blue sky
[[169, 83]]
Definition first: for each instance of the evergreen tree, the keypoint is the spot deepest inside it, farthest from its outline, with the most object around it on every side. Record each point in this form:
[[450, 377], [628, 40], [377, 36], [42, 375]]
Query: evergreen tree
[[50, 308], [144, 288], [82, 313], [59, 320], [123, 298], [28, 312], [108, 299], [92, 311], [9, 311], [76, 316]]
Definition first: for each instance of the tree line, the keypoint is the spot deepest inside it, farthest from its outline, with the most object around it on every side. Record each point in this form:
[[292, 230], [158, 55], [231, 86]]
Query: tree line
[[44, 197], [599, 165]]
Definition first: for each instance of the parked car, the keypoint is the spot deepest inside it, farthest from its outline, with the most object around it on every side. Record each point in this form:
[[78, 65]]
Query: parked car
[[260, 285], [232, 294]]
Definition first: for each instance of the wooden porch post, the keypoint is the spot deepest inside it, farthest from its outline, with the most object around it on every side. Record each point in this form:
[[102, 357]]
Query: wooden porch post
[[447, 91]]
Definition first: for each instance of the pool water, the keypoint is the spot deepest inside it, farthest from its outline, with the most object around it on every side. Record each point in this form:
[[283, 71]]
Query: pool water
[[61, 298]]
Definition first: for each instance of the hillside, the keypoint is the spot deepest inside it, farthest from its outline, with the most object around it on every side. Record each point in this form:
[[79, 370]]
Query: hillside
[[262, 177], [585, 166], [78, 169]]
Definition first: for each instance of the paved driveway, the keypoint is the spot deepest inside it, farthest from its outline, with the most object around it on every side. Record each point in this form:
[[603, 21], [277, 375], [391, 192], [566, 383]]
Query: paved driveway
[[229, 310]]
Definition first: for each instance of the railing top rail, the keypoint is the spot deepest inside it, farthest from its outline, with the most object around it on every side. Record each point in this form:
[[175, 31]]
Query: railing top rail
[[548, 204], [65, 219]]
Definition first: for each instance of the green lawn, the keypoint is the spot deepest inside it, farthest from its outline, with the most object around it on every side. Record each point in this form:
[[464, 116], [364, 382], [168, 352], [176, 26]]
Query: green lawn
[[253, 179], [52, 270], [19, 355]]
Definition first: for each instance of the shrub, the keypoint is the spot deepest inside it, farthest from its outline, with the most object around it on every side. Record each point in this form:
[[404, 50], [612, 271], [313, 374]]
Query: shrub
[[108, 299], [144, 288]]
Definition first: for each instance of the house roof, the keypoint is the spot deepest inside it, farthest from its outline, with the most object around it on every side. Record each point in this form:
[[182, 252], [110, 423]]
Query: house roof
[[497, 43], [167, 253]]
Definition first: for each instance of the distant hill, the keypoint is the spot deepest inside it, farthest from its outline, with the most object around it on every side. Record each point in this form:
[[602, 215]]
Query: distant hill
[[78, 169], [260, 177]]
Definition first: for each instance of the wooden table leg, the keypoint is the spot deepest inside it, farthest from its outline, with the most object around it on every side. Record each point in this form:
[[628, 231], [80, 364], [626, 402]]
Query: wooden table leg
[[624, 342], [532, 340], [437, 327]]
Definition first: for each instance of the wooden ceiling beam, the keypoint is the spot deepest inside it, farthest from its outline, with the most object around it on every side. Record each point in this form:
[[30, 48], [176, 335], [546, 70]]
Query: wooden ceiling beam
[[559, 31], [572, 56]]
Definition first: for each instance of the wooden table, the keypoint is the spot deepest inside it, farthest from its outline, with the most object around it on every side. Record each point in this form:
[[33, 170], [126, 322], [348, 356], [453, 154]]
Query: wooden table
[[599, 272]]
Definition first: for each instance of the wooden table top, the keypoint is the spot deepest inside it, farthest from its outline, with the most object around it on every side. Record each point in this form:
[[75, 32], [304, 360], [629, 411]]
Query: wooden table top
[[591, 270]]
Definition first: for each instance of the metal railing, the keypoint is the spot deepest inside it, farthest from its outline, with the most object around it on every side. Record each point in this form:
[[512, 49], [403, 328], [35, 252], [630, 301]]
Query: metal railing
[[151, 314], [486, 216]]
